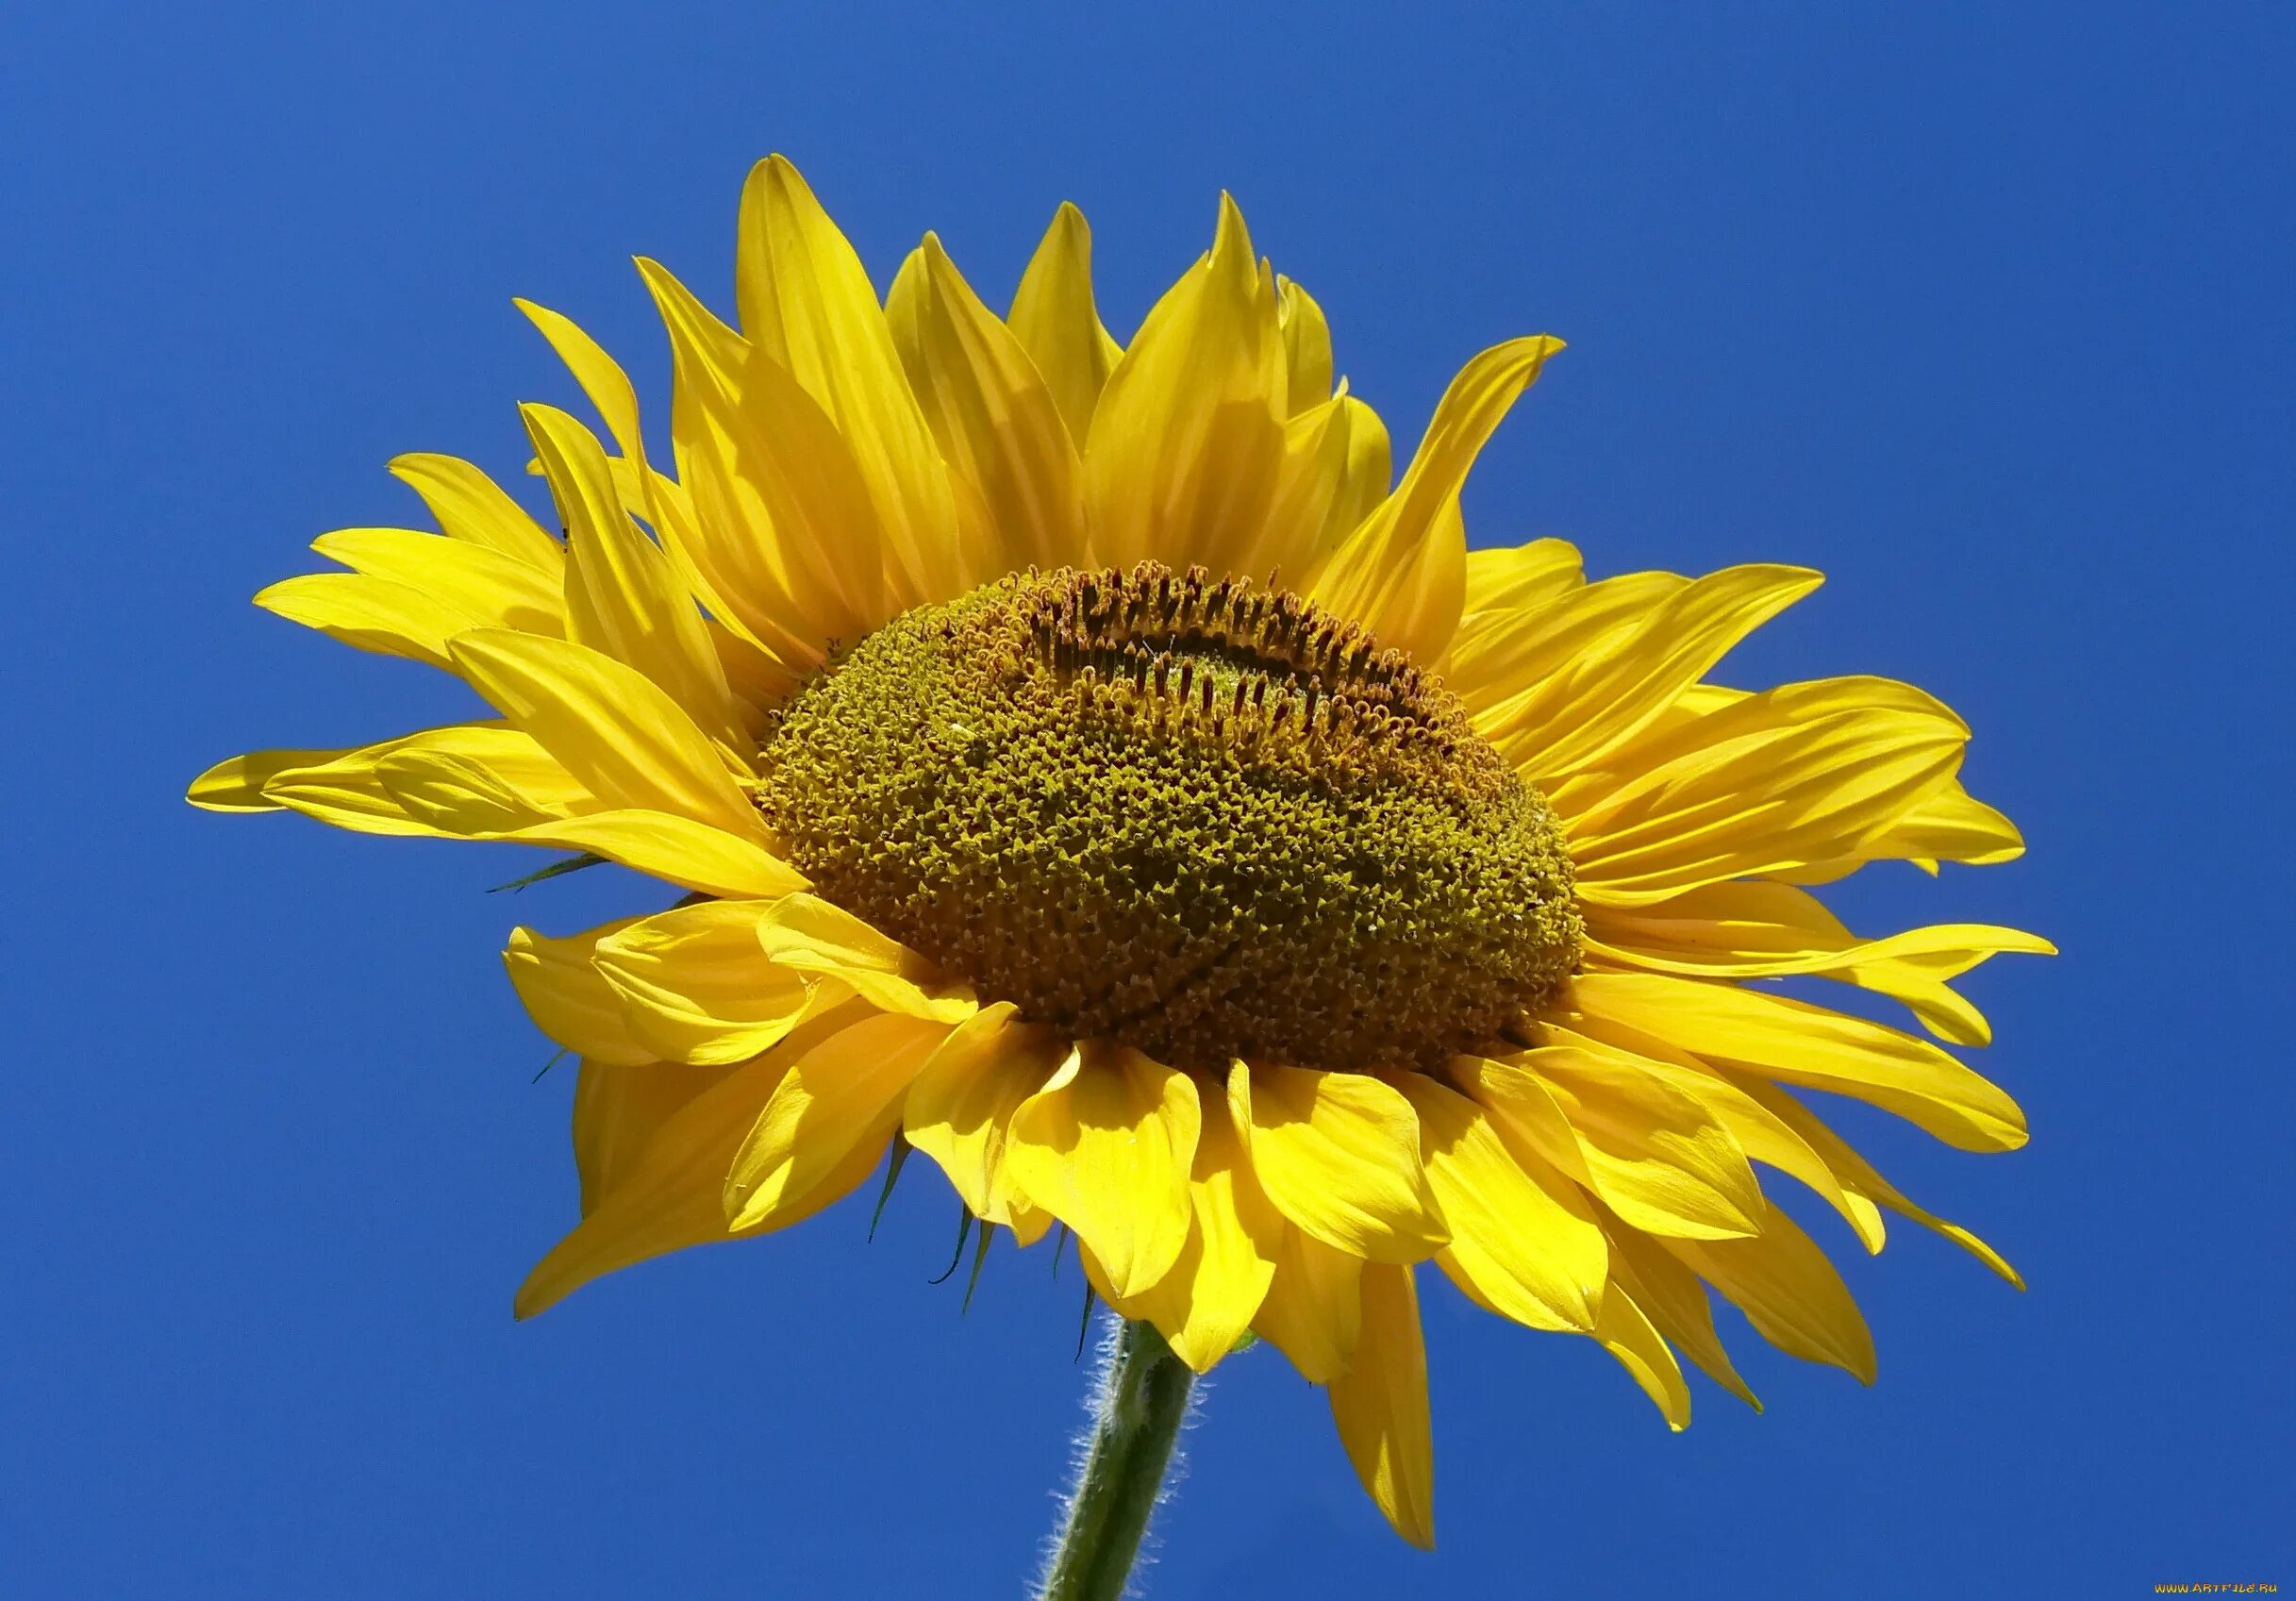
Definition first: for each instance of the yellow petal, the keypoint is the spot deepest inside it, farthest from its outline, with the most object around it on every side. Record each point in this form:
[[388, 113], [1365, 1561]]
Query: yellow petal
[[1658, 1157], [457, 794], [1403, 574], [619, 1107], [622, 736], [601, 378], [1525, 1113], [1671, 1295], [623, 596], [671, 1196], [1718, 928], [1311, 484], [808, 935], [1599, 700], [1188, 439], [1522, 578], [731, 559], [1708, 716], [371, 614], [1758, 1130], [806, 303], [1215, 1288], [671, 1201], [960, 1108], [784, 533], [1313, 1310], [1365, 479], [1698, 701], [1800, 1044], [569, 999], [347, 793], [1521, 1233], [839, 1097], [1952, 826], [366, 790], [515, 762], [472, 508], [1339, 1154], [1500, 659], [1630, 1336], [470, 580], [1948, 826], [757, 677], [674, 848], [1053, 318], [991, 411], [1380, 1406], [1788, 1292], [237, 784], [1307, 365], [696, 988], [1105, 1146], [1856, 1173], [1765, 930], [1776, 795], [761, 675]]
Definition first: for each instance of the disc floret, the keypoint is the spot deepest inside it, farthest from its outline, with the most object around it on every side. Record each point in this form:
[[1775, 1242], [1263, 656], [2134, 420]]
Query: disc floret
[[1211, 820]]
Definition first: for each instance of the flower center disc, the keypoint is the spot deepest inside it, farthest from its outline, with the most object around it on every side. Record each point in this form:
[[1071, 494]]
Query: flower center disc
[[1207, 822]]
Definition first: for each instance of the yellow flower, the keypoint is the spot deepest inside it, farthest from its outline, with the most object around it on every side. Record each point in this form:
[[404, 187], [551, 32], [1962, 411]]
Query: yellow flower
[[1089, 767]]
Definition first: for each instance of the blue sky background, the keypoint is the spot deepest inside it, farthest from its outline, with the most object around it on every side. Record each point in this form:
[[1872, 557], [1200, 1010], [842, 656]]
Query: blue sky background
[[1984, 310]]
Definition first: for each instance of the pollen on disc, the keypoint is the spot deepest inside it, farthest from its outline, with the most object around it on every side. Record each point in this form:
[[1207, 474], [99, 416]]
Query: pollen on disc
[[1209, 821]]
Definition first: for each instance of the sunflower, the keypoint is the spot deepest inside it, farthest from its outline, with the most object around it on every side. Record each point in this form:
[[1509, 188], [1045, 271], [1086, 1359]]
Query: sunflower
[[1086, 764]]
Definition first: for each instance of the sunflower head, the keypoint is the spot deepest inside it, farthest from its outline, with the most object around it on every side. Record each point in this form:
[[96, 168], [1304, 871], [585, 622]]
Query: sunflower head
[[1210, 821], [1090, 765]]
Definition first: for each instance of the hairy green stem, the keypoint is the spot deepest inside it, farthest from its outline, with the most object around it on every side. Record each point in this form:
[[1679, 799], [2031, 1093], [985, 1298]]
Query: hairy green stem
[[1142, 1397]]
